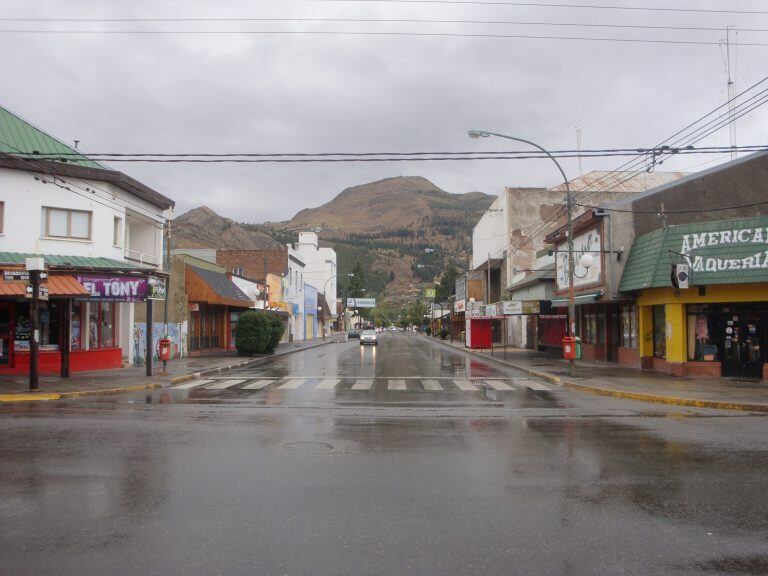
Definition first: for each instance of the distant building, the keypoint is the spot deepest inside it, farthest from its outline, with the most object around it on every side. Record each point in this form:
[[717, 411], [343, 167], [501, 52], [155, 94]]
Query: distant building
[[320, 269]]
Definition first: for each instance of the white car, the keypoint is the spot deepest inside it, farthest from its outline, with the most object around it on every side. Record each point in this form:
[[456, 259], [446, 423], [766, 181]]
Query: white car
[[369, 337]]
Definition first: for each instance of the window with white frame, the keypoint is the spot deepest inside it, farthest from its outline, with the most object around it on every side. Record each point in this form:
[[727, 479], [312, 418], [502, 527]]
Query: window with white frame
[[117, 234], [238, 271], [64, 223]]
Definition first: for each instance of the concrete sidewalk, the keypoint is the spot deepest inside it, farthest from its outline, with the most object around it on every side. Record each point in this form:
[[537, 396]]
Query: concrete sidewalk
[[105, 382], [623, 382]]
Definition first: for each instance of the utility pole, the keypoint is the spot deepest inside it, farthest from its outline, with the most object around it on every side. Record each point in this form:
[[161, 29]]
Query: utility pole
[[488, 283], [168, 224], [34, 331]]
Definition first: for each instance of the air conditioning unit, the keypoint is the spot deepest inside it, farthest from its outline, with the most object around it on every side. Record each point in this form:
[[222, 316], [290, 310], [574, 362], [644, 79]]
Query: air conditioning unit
[[681, 276]]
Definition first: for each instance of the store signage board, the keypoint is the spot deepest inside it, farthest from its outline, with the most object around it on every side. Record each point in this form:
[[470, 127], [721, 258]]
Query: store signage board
[[116, 288], [520, 307], [16, 275], [587, 243], [155, 288], [460, 306], [361, 302]]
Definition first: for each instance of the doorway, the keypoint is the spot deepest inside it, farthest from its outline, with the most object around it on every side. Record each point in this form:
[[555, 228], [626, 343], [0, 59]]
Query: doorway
[[6, 335], [743, 336]]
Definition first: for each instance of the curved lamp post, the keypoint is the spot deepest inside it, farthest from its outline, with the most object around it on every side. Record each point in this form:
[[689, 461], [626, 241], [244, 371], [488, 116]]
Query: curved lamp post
[[569, 209]]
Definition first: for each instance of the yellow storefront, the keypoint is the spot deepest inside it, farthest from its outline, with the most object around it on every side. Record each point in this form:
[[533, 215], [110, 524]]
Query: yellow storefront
[[716, 324]]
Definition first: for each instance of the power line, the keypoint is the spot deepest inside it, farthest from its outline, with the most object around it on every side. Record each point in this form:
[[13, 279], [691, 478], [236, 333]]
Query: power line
[[736, 207], [382, 34], [390, 21]]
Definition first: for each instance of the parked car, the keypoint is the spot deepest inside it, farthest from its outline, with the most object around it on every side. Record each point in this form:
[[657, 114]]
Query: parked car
[[353, 334], [369, 337]]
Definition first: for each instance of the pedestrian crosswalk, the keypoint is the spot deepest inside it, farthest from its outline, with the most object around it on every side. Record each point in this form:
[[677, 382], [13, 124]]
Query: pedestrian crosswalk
[[344, 384]]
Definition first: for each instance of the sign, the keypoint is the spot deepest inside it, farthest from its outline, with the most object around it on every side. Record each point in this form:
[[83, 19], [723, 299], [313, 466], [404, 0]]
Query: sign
[[194, 307], [681, 275], [361, 302], [726, 235], [491, 310], [460, 306], [15, 275], [586, 243], [430, 293], [155, 288], [117, 288], [520, 307]]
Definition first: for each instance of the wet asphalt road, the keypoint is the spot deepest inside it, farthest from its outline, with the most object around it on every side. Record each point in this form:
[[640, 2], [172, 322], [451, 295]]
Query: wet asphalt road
[[410, 458]]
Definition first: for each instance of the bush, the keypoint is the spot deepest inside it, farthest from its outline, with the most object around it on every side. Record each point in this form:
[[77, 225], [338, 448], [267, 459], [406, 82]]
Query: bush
[[253, 333], [276, 331]]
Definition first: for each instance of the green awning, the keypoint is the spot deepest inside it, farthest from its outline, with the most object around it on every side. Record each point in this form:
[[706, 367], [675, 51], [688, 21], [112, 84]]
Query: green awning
[[731, 251], [580, 299]]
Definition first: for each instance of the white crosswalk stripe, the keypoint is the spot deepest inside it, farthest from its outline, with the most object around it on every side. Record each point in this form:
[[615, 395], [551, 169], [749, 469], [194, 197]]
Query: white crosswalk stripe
[[465, 385], [258, 385], [497, 385], [222, 384], [294, 383], [362, 384], [328, 384], [192, 384], [431, 385], [396, 385]]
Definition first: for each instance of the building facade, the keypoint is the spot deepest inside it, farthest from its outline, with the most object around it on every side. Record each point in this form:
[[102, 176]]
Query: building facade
[[320, 269]]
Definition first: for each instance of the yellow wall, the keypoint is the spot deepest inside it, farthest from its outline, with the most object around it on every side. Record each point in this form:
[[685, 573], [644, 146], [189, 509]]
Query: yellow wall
[[275, 287], [676, 313]]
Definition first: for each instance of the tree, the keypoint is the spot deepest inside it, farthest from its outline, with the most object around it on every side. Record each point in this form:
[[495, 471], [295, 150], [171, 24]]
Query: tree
[[356, 286], [253, 333], [447, 286]]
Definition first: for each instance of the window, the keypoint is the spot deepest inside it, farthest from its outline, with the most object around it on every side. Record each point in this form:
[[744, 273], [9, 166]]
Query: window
[[702, 346], [659, 332], [628, 326], [101, 325], [238, 271], [117, 234], [62, 223]]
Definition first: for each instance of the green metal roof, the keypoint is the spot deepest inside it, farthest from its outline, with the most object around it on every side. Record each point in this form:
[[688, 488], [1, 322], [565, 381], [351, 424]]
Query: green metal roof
[[731, 251], [61, 261], [20, 138]]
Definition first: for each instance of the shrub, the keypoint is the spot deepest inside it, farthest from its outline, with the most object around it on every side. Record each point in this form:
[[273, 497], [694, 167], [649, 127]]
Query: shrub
[[253, 333], [276, 330]]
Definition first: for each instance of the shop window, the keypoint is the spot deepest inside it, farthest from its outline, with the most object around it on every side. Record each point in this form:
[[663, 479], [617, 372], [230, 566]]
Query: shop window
[[101, 325], [63, 223], [589, 334], [50, 326], [76, 326], [629, 326], [659, 332], [702, 346]]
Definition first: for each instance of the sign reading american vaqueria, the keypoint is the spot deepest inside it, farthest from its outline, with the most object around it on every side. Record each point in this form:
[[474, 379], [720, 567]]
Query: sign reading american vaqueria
[[717, 252], [123, 288]]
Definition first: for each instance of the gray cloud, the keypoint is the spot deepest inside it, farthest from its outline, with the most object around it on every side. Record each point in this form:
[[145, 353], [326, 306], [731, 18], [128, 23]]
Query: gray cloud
[[168, 93]]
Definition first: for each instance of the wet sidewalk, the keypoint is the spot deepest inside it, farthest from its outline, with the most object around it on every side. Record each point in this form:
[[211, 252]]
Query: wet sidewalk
[[624, 382], [15, 388]]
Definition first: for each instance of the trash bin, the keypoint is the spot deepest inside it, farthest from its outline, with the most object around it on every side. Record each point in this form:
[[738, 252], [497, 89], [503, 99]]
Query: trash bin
[[569, 348], [164, 349], [578, 348]]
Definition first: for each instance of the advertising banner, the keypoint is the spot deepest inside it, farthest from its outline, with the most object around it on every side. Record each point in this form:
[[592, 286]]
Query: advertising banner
[[361, 302], [520, 307], [123, 288]]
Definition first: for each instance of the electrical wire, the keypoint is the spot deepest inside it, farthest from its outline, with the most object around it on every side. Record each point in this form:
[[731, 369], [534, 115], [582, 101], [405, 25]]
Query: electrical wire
[[722, 208]]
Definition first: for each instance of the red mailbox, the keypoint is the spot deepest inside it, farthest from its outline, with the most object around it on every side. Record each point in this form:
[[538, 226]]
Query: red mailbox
[[164, 349], [569, 348]]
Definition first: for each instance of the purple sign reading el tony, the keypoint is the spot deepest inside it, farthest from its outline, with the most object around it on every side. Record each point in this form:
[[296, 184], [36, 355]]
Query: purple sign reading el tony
[[122, 288]]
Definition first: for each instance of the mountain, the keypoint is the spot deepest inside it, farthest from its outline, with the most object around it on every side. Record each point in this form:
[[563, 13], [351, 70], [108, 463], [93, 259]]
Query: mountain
[[202, 228], [387, 226]]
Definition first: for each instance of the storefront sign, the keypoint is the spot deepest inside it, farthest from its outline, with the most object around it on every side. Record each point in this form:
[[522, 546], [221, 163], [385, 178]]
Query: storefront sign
[[155, 288], [491, 310], [16, 275], [726, 235], [460, 306], [587, 243], [194, 307], [520, 307], [361, 302], [118, 288]]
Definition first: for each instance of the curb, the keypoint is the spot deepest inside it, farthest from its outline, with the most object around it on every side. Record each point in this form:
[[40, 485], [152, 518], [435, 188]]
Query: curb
[[672, 400], [251, 362], [530, 371]]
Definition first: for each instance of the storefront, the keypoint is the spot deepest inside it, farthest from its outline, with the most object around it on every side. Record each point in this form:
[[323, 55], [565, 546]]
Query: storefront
[[718, 324]]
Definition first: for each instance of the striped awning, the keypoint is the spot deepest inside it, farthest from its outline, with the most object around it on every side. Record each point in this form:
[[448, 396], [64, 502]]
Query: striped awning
[[61, 285]]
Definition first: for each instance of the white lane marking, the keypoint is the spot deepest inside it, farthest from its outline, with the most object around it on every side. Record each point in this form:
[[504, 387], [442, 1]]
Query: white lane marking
[[258, 385], [192, 384], [329, 384], [222, 384], [497, 385], [396, 385], [465, 385], [362, 385], [431, 385], [293, 384], [537, 386]]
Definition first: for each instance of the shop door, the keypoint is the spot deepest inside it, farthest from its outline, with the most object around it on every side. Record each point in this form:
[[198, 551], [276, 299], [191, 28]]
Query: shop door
[[743, 343], [6, 336]]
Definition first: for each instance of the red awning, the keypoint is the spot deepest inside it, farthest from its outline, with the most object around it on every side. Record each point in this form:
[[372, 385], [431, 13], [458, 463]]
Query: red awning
[[61, 285]]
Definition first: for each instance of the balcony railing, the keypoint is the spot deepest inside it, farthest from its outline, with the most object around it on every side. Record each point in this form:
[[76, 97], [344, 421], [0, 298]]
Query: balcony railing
[[141, 257]]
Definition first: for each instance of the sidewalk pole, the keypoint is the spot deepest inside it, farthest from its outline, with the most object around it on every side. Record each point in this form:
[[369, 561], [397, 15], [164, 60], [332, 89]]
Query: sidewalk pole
[[34, 330], [150, 329], [167, 282]]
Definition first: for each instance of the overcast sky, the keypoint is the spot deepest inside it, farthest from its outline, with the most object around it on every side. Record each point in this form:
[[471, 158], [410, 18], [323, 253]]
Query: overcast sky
[[299, 93]]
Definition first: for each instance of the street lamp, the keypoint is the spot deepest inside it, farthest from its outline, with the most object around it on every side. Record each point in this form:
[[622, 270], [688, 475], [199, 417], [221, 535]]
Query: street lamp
[[569, 209]]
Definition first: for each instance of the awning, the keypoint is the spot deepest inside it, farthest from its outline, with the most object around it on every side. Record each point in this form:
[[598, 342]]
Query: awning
[[214, 288], [579, 299], [60, 285]]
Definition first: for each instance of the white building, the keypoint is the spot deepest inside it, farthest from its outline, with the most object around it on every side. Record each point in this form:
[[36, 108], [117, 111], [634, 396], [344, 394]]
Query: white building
[[295, 292], [320, 268], [96, 228]]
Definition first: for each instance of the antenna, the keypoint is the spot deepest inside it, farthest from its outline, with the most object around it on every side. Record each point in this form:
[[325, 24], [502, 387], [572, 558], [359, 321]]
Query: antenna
[[76, 143]]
